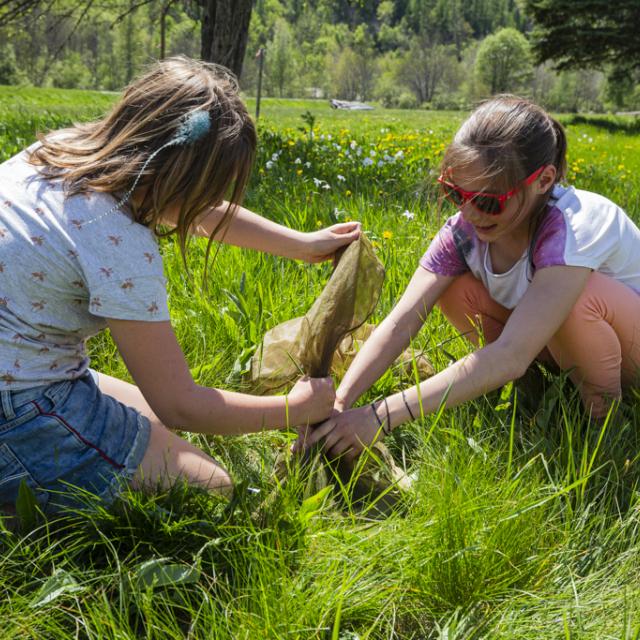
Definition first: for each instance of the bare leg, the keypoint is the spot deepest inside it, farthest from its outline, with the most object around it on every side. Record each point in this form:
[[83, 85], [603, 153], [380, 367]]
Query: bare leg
[[168, 457]]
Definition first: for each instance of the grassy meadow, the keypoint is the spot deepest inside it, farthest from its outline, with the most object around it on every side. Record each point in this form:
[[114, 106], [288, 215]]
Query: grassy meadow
[[522, 521]]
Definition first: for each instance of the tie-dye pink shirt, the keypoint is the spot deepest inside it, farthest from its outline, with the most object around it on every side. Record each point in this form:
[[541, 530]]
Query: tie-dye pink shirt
[[580, 229], [64, 268]]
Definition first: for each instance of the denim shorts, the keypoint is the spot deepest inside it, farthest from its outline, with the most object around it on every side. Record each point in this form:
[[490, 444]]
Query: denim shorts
[[68, 441]]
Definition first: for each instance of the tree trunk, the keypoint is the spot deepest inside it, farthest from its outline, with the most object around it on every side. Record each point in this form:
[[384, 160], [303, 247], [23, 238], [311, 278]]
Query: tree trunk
[[225, 29]]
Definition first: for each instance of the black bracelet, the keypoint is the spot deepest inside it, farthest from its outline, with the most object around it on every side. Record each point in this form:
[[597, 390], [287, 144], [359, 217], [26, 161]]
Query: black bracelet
[[387, 428], [406, 404], [375, 413]]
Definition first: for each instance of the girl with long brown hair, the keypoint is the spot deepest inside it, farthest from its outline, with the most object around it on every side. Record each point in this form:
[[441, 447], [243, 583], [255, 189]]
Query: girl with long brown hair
[[528, 267], [79, 214]]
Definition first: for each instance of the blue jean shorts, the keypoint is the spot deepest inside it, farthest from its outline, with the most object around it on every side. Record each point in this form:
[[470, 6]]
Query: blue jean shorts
[[67, 440]]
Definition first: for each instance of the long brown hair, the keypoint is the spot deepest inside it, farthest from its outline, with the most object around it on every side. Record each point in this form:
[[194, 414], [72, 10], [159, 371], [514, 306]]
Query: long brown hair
[[510, 137], [107, 155]]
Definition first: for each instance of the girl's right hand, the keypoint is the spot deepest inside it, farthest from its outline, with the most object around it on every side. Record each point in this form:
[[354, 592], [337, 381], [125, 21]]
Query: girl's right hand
[[311, 400]]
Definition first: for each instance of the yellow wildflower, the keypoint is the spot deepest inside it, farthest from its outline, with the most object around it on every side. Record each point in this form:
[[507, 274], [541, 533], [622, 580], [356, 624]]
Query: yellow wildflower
[[387, 235]]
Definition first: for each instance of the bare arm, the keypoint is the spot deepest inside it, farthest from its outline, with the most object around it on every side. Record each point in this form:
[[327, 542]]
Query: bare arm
[[156, 363], [537, 317], [392, 336], [251, 231]]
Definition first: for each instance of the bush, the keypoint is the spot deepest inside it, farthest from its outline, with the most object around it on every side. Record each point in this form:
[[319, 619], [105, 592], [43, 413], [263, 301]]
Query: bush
[[406, 100], [71, 73], [9, 70]]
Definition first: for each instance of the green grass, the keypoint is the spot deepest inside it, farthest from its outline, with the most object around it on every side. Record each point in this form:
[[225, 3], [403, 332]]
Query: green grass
[[516, 526]]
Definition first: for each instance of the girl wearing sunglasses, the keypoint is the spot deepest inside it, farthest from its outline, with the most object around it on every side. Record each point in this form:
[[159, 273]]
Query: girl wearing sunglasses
[[539, 270]]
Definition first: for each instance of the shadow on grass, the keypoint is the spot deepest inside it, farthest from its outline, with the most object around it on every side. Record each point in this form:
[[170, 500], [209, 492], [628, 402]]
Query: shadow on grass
[[611, 124]]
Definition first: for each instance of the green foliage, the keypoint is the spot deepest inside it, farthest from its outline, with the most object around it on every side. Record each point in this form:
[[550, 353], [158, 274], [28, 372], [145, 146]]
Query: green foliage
[[504, 61], [517, 525], [573, 33], [9, 70]]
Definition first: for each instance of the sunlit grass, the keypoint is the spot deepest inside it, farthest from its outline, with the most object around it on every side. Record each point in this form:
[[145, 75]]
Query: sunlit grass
[[519, 524]]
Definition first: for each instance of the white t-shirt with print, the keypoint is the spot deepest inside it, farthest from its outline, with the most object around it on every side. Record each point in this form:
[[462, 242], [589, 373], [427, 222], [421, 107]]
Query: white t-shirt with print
[[65, 267]]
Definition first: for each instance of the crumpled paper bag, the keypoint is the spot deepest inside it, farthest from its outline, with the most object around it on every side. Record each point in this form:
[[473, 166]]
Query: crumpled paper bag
[[326, 339], [308, 344]]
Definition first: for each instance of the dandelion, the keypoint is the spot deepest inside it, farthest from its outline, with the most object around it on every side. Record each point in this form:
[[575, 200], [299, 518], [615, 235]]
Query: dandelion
[[387, 235], [347, 193], [408, 215], [299, 172]]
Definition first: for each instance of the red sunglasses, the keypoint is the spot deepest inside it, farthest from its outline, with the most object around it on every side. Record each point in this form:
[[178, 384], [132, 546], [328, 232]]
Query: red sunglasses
[[491, 203]]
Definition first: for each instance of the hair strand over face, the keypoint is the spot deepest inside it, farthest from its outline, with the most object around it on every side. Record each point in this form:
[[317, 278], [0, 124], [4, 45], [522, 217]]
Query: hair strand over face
[[108, 154]]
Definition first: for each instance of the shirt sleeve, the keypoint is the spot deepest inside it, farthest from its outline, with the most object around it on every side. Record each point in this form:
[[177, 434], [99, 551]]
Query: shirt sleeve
[[549, 245], [581, 230], [119, 259], [445, 254]]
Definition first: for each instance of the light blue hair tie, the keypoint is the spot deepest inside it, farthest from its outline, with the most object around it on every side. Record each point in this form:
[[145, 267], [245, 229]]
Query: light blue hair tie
[[193, 127]]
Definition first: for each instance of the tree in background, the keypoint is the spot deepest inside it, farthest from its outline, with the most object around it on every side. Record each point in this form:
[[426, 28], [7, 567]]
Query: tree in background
[[281, 66], [224, 32], [575, 33], [423, 67], [504, 61]]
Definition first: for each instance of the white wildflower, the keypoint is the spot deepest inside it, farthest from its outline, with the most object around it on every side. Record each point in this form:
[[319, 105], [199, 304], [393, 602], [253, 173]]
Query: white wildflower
[[297, 161], [269, 164], [340, 177], [408, 215], [367, 162]]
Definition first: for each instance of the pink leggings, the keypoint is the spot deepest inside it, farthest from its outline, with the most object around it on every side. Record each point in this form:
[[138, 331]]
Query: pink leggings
[[599, 341]]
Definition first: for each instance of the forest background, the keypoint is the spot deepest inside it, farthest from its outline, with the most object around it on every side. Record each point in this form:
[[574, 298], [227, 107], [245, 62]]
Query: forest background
[[434, 54]]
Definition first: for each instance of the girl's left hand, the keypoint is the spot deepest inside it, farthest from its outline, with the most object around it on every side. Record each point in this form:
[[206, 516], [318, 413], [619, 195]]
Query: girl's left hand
[[322, 245], [345, 434]]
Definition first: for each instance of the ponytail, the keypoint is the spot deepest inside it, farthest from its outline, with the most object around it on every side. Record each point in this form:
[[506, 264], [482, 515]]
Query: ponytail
[[560, 160]]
